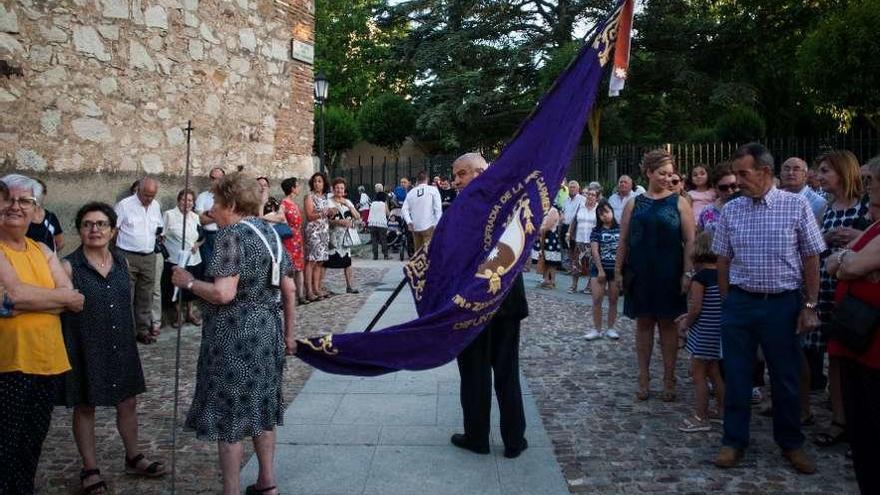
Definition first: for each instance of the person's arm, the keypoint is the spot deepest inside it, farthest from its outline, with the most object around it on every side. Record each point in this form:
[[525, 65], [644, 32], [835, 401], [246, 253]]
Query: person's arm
[[854, 265], [59, 242], [723, 265], [275, 216], [438, 205], [30, 298], [221, 291], [594, 255], [309, 208], [695, 305], [624, 239], [688, 231], [288, 300], [809, 318], [404, 211]]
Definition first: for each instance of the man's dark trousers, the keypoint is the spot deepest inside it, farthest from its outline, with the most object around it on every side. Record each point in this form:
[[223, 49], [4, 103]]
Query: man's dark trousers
[[748, 320], [495, 350]]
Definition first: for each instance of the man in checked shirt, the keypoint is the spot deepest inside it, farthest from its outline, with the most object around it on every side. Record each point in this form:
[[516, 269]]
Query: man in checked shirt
[[768, 245]]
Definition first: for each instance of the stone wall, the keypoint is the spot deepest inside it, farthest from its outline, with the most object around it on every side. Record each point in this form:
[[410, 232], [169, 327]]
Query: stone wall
[[108, 85]]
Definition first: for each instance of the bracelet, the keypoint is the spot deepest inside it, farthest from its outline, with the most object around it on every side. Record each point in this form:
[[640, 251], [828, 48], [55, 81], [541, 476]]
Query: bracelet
[[840, 256], [189, 284]]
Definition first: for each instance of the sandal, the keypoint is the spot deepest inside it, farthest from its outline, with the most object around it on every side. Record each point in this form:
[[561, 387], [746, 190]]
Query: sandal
[[99, 487], [153, 469], [827, 439], [253, 490], [302, 301], [571, 290], [642, 395], [694, 424], [350, 290]]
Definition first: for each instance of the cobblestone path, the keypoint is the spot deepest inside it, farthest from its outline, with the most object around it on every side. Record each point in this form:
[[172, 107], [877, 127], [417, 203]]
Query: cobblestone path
[[606, 442]]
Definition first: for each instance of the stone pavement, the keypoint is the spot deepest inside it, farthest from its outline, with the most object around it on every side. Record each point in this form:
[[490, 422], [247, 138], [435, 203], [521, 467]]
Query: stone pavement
[[390, 434]]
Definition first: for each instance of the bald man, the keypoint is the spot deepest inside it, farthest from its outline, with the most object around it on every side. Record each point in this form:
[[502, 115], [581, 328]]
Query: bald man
[[495, 351], [139, 217], [794, 180]]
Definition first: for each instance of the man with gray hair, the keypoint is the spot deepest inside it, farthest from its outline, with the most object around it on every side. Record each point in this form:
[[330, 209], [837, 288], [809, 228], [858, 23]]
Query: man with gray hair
[[622, 196], [794, 180], [139, 221], [574, 201], [493, 353]]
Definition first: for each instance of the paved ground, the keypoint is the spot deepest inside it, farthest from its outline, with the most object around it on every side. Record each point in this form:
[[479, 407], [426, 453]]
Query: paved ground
[[603, 441]]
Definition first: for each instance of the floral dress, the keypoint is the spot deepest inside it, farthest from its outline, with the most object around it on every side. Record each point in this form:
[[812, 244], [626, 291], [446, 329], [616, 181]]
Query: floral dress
[[294, 243], [318, 231]]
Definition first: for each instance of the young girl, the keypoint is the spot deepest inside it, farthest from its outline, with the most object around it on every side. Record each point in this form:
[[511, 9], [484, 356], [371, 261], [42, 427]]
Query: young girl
[[603, 245], [703, 325], [701, 191]]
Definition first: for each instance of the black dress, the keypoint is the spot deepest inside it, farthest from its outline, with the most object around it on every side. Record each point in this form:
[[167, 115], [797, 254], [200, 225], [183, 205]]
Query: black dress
[[104, 360], [654, 262]]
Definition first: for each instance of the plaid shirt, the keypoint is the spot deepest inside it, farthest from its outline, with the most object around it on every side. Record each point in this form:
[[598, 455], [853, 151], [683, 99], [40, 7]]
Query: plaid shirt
[[766, 240]]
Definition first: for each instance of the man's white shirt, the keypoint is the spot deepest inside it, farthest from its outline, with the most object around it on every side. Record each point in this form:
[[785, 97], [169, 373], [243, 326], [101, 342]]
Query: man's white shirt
[[204, 203], [618, 203], [137, 225], [422, 207], [571, 207]]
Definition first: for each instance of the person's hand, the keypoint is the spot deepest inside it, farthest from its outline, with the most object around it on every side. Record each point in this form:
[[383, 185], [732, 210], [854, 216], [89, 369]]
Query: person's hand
[[180, 277], [681, 321], [347, 223], [194, 249], [602, 278], [75, 301], [845, 235], [685, 284], [618, 279], [289, 346], [808, 320]]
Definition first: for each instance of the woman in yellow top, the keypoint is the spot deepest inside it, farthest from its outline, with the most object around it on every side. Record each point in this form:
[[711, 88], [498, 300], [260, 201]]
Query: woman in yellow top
[[32, 352]]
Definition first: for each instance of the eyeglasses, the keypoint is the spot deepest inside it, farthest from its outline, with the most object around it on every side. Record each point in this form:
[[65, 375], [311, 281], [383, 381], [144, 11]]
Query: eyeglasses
[[23, 202], [728, 187], [100, 225]]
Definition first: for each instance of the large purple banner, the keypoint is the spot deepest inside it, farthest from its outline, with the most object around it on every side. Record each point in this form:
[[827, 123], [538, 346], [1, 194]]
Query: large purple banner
[[460, 278]]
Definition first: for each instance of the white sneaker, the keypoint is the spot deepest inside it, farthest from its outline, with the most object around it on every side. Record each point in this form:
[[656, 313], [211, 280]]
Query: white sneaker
[[612, 334], [592, 334]]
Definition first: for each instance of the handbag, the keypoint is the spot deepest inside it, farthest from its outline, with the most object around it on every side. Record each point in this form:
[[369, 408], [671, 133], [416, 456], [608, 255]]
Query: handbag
[[284, 231], [855, 323], [351, 238]]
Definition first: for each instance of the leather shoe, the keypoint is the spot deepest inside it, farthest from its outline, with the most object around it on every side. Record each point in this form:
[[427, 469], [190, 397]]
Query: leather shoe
[[728, 457], [461, 441], [511, 453], [800, 461]]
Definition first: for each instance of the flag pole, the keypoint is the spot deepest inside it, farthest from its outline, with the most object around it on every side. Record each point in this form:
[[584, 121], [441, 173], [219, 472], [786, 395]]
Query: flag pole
[[180, 307], [385, 306]]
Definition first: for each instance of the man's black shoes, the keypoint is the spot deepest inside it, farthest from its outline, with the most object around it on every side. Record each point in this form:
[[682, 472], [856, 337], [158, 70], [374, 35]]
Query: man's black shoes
[[461, 441], [511, 453]]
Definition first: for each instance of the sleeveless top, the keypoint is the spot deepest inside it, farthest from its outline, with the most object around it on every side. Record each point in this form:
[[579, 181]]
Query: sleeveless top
[[32, 342]]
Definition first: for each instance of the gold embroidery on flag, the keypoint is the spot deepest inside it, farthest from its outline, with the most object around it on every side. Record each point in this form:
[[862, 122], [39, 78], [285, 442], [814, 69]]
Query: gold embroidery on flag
[[416, 269], [326, 345], [604, 41]]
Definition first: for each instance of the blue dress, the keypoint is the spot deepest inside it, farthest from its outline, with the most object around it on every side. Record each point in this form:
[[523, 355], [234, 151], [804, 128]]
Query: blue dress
[[654, 265], [704, 337]]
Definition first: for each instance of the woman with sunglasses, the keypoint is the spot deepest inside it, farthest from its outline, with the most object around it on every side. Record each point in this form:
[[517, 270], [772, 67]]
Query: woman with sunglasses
[[725, 184]]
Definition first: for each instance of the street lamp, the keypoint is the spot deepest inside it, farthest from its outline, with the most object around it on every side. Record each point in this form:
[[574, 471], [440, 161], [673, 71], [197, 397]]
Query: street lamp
[[322, 87]]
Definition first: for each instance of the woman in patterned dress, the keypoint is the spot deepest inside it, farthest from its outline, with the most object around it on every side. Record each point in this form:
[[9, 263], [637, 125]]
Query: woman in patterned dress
[[317, 235], [244, 336], [106, 368], [845, 219]]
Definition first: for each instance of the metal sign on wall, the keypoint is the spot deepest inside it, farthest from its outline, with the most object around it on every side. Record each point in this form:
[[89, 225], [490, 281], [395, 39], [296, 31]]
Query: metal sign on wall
[[302, 51]]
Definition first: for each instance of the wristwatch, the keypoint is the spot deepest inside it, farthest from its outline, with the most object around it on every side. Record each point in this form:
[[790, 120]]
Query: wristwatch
[[689, 274], [810, 305], [189, 284]]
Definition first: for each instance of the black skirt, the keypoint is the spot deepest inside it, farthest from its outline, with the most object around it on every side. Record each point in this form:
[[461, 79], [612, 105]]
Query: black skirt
[[337, 261]]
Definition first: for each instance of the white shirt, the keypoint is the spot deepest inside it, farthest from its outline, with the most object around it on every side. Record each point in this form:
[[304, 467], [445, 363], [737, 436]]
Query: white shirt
[[137, 225], [586, 220], [204, 203], [173, 219], [364, 203], [618, 203], [378, 214], [422, 207], [571, 205]]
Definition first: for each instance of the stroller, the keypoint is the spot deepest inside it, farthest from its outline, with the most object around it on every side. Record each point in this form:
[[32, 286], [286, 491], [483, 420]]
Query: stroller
[[399, 237]]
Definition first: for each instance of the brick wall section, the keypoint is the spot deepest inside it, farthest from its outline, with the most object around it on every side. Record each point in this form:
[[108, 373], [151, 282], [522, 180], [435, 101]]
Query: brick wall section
[[107, 85]]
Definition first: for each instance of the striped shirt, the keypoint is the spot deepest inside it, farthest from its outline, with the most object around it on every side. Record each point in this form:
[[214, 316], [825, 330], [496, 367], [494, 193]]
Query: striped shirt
[[766, 240], [704, 337]]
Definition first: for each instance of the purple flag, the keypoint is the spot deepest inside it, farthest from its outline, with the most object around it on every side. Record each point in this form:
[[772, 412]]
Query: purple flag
[[482, 241]]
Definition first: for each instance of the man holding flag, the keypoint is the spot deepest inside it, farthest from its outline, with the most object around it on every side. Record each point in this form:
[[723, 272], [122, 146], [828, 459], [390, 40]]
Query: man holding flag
[[494, 351]]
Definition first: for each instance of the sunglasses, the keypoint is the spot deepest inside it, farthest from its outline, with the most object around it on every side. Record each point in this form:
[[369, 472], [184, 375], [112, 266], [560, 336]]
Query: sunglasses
[[675, 182], [728, 187]]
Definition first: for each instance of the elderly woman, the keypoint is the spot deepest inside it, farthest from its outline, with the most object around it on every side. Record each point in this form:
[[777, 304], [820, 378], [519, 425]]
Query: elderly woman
[[377, 219], [857, 269], [583, 221], [45, 227], [726, 186], [106, 368], [344, 218], [845, 218], [317, 235], [248, 322], [269, 204], [656, 247], [32, 353], [181, 249]]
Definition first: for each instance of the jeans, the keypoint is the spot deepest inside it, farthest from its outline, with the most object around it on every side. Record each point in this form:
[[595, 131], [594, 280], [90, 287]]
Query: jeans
[[748, 320]]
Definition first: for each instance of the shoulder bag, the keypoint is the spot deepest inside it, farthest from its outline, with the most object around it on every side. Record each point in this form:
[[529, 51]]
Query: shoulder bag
[[855, 323]]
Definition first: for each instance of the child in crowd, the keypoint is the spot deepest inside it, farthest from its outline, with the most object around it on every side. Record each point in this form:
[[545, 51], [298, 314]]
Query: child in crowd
[[703, 326], [603, 245]]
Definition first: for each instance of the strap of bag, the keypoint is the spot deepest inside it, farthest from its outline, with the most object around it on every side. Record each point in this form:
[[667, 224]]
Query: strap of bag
[[276, 258]]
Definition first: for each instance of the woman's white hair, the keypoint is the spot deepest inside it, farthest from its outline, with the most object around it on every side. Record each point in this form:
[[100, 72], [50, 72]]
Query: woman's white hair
[[24, 182]]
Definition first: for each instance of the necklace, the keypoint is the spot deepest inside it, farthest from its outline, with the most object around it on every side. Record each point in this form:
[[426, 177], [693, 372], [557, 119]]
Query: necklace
[[103, 263]]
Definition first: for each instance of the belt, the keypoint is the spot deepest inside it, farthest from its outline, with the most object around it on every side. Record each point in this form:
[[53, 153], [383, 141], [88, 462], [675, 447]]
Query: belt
[[764, 295], [126, 251]]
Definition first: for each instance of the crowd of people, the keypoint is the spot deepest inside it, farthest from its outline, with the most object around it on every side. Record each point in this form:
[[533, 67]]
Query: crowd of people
[[744, 269], [731, 264]]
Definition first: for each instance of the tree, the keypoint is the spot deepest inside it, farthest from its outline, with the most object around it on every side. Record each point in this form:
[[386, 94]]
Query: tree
[[838, 63], [386, 121], [340, 133]]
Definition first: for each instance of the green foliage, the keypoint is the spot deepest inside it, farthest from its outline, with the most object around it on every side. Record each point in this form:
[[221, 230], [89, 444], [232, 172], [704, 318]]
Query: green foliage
[[740, 125], [341, 130], [386, 121], [839, 63]]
